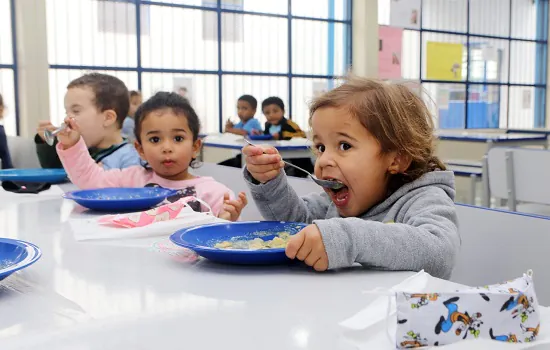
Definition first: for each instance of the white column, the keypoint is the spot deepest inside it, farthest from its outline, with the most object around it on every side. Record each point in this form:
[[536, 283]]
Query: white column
[[365, 38], [32, 64]]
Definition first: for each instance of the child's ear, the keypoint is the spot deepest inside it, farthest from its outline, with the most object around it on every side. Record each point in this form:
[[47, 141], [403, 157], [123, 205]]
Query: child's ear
[[139, 149], [400, 163], [109, 117], [197, 148]]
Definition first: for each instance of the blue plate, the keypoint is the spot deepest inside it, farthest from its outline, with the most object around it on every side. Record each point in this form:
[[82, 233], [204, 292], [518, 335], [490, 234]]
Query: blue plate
[[34, 175], [16, 255], [120, 199], [202, 239], [260, 137]]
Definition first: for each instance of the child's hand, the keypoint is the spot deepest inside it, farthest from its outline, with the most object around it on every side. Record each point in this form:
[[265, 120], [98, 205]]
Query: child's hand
[[256, 132], [43, 126], [275, 136], [263, 163], [228, 124], [232, 208], [70, 135], [307, 246]]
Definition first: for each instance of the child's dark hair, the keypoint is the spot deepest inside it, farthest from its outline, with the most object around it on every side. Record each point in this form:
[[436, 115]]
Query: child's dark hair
[[397, 117], [167, 100], [1, 101], [134, 93], [250, 99], [273, 101], [110, 93]]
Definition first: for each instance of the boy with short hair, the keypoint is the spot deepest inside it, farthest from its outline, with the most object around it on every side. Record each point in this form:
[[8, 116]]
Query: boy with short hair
[[246, 109], [99, 103]]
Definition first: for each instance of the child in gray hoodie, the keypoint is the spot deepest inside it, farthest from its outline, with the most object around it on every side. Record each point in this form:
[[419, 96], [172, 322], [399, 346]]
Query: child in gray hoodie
[[396, 209]]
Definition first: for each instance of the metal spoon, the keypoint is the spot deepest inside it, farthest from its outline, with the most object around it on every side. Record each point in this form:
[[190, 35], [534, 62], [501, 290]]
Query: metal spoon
[[49, 136], [332, 184]]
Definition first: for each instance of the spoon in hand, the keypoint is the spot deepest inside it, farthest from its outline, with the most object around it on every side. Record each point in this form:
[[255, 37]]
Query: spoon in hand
[[332, 184]]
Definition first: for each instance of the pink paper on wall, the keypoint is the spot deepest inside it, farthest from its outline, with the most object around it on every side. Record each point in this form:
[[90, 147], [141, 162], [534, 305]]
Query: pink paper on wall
[[389, 52]]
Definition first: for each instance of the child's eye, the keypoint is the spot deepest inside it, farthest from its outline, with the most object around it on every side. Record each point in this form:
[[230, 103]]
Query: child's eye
[[178, 138], [344, 146], [320, 148], [154, 139]]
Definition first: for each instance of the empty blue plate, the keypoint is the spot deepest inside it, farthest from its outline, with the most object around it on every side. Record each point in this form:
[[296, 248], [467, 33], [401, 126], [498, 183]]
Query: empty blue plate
[[202, 239], [34, 175], [120, 199], [260, 137], [16, 255]]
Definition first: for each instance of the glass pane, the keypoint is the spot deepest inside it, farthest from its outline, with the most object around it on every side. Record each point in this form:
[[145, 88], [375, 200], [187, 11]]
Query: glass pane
[[525, 105], [327, 9], [523, 62], [524, 19], [384, 12], [6, 53], [318, 48], [176, 39], [8, 94], [488, 60], [443, 73], [275, 7], [445, 15], [447, 104], [481, 13], [92, 33], [254, 43], [60, 78], [234, 86], [410, 62], [201, 90], [484, 104], [303, 91]]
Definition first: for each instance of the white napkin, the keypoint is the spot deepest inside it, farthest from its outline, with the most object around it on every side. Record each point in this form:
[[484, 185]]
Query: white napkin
[[369, 328], [86, 227]]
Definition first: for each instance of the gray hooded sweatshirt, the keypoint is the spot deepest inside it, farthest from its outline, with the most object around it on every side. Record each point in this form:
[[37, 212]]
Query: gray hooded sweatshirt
[[414, 228]]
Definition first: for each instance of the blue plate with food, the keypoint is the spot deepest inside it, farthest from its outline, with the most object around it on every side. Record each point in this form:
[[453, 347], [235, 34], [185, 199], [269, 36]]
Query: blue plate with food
[[16, 255], [120, 199], [52, 176], [260, 137], [244, 243]]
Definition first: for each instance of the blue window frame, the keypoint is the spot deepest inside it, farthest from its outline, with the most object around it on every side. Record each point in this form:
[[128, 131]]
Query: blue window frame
[[8, 66]]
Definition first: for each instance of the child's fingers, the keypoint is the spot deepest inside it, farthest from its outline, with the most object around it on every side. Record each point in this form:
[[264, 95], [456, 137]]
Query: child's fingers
[[321, 265], [231, 210], [226, 197], [305, 249], [235, 203], [294, 244], [312, 258], [242, 197], [265, 168]]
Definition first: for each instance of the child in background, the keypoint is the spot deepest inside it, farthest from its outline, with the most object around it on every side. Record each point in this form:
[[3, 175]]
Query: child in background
[[4, 150], [281, 128], [100, 103], [246, 109], [129, 123], [167, 139], [395, 211]]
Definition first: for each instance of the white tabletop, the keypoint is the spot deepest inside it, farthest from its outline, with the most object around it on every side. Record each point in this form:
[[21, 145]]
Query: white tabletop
[[90, 295], [237, 142]]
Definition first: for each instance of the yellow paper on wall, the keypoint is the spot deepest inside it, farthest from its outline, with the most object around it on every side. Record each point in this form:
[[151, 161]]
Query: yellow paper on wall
[[444, 61]]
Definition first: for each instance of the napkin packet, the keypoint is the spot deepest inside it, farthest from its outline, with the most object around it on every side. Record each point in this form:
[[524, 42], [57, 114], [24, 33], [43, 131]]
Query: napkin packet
[[170, 211], [507, 312]]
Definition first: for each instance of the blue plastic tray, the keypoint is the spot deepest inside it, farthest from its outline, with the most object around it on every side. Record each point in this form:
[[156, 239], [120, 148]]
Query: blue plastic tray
[[202, 239], [260, 137], [120, 199], [34, 175], [16, 255]]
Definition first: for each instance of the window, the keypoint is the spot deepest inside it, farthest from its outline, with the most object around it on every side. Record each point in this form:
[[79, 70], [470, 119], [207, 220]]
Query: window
[[8, 76], [291, 49], [503, 80]]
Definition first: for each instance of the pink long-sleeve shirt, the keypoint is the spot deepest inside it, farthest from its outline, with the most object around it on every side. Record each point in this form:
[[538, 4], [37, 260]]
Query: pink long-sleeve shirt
[[86, 174]]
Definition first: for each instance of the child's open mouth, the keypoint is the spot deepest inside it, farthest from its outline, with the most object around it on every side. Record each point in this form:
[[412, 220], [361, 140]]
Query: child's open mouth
[[340, 197]]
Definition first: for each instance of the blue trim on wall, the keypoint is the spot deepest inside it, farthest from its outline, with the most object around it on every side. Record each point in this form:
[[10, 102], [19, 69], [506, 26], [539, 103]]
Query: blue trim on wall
[[330, 44], [540, 63]]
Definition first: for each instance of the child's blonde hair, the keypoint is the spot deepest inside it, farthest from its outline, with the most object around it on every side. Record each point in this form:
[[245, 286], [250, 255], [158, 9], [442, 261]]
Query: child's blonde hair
[[395, 116]]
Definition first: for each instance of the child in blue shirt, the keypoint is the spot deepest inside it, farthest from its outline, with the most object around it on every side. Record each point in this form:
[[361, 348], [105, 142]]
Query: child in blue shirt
[[246, 109]]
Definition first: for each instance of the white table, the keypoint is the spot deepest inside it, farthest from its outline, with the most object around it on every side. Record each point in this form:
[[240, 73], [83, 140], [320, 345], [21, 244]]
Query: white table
[[90, 295], [473, 146], [289, 149]]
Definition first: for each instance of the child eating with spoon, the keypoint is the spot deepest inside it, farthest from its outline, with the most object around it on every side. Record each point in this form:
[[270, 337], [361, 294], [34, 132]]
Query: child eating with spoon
[[395, 210]]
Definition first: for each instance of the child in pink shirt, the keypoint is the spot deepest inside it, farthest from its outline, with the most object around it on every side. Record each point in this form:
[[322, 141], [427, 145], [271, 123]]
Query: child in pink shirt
[[167, 140]]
